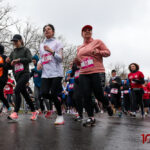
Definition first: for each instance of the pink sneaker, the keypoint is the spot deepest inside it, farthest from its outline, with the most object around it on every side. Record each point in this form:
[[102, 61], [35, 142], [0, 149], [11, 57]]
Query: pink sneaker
[[48, 114], [13, 116], [40, 114], [34, 115]]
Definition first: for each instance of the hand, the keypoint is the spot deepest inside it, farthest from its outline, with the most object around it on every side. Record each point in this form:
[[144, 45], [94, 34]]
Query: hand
[[114, 82], [94, 52], [46, 48], [39, 66], [8, 60], [15, 61]]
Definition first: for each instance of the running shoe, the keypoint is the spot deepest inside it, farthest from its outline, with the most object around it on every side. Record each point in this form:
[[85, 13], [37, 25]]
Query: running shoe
[[48, 114], [109, 111], [34, 115], [89, 122], [146, 114], [59, 120], [40, 114], [78, 118], [133, 114], [13, 116], [120, 114]]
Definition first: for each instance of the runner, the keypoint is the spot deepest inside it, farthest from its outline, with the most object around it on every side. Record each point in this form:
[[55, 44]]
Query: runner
[[77, 95], [51, 56], [19, 60], [136, 79], [8, 90], [3, 76], [146, 98], [126, 96], [90, 56], [115, 84]]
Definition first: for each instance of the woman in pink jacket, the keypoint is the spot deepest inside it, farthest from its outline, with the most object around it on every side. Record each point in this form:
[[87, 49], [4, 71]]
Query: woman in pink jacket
[[90, 56]]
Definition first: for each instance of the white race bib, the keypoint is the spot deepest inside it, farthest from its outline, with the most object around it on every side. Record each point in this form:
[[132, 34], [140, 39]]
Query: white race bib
[[19, 67], [77, 73], [71, 86], [86, 63], [114, 91], [126, 91], [46, 58]]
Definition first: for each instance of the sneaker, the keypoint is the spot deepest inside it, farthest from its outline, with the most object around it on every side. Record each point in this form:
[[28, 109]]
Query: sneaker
[[59, 120], [78, 118], [13, 116], [146, 114], [48, 114], [133, 114], [89, 122], [109, 111], [40, 114], [34, 115], [102, 111], [120, 114]]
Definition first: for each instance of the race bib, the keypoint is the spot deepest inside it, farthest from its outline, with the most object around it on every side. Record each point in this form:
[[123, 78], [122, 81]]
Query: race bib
[[126, 91], [71, 86], [19, 67], [7, 89], [35, 75], [87, 63], [114, 91], [77, 73], [46, 58]]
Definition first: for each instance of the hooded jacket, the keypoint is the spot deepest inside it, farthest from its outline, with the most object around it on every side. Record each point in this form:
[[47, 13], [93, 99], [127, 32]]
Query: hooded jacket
[[35, 73]]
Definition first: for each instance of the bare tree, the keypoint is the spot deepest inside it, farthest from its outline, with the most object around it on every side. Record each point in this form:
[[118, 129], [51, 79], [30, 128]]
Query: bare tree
[[6, 22], [69, 52], [32, 36], [121, 70]]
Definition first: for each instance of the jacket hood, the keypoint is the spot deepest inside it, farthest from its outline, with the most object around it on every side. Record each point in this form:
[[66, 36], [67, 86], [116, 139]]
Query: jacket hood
[[35, 57]]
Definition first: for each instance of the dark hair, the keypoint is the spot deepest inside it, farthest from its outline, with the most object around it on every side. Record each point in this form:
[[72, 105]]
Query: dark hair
[[9, 74], [113, 71], [50, 25], [1, 49], [136, 65]]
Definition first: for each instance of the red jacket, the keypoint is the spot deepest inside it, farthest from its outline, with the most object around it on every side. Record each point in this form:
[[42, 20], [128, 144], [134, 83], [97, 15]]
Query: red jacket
[[146, 93], [137, 75], [9, 88]]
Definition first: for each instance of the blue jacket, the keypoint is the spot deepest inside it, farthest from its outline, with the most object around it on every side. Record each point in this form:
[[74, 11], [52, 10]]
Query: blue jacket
[[35, 73]]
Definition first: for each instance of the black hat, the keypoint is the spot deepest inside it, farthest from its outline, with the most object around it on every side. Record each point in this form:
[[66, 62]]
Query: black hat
[[1, 49], [17, 37]]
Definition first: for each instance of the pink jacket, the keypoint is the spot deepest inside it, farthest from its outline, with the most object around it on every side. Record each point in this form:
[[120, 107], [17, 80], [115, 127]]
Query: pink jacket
[[94, 50]]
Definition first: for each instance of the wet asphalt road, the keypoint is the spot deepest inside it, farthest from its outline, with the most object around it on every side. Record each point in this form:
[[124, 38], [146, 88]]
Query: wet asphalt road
[[110, 133]]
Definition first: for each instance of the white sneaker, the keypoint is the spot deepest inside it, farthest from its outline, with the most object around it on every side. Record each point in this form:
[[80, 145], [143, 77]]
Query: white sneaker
[[146, 114], [59, 120], [102, 111]]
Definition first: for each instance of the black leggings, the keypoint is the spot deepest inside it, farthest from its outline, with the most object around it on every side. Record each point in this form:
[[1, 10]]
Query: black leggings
[[2, 98], [91, 83], [127, 102], [78, 99], [21, 89], [137, 99], [50, 88]]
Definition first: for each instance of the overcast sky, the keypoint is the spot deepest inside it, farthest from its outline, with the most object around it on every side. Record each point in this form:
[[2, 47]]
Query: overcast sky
[[123, 25]]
